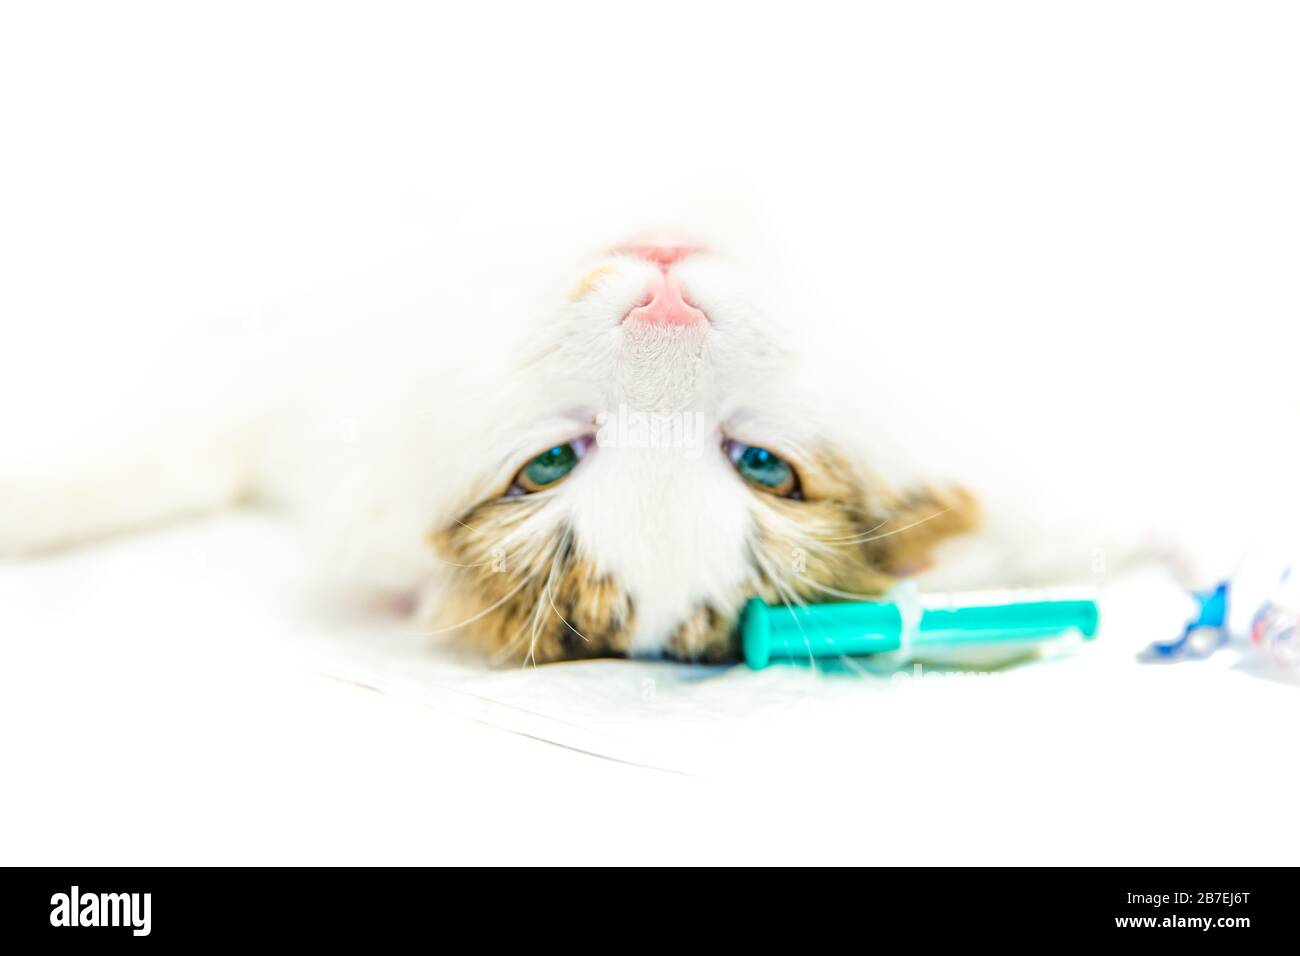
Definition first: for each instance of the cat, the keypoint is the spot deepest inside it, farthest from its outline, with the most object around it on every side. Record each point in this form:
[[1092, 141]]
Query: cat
[[562, 455]]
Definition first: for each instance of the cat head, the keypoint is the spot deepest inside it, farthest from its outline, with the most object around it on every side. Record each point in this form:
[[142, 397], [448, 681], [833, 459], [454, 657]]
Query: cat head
[[668, 459]]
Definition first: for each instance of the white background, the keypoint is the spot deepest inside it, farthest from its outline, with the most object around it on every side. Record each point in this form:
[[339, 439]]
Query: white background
[[1108, 189]]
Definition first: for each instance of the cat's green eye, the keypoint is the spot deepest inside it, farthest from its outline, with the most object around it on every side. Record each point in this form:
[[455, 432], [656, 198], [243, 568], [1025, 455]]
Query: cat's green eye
[[764, 469], [550, 467]]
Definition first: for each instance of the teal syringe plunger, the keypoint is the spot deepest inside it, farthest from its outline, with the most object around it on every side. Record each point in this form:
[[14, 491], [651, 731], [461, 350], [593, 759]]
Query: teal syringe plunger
[[911, 624]]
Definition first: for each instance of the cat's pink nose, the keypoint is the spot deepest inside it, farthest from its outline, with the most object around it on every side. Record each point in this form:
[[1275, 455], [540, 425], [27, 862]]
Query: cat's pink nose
[[663, 254], [667, 305]]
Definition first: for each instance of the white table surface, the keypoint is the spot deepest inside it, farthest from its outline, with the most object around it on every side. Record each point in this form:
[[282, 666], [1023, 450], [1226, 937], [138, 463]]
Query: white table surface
[[186, 696]]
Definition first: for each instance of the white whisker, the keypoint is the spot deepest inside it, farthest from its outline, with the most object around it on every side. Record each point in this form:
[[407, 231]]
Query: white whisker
[[566, 623], [785, 588], [483, 613], [844, 594], [866, 536], [858, 534]]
